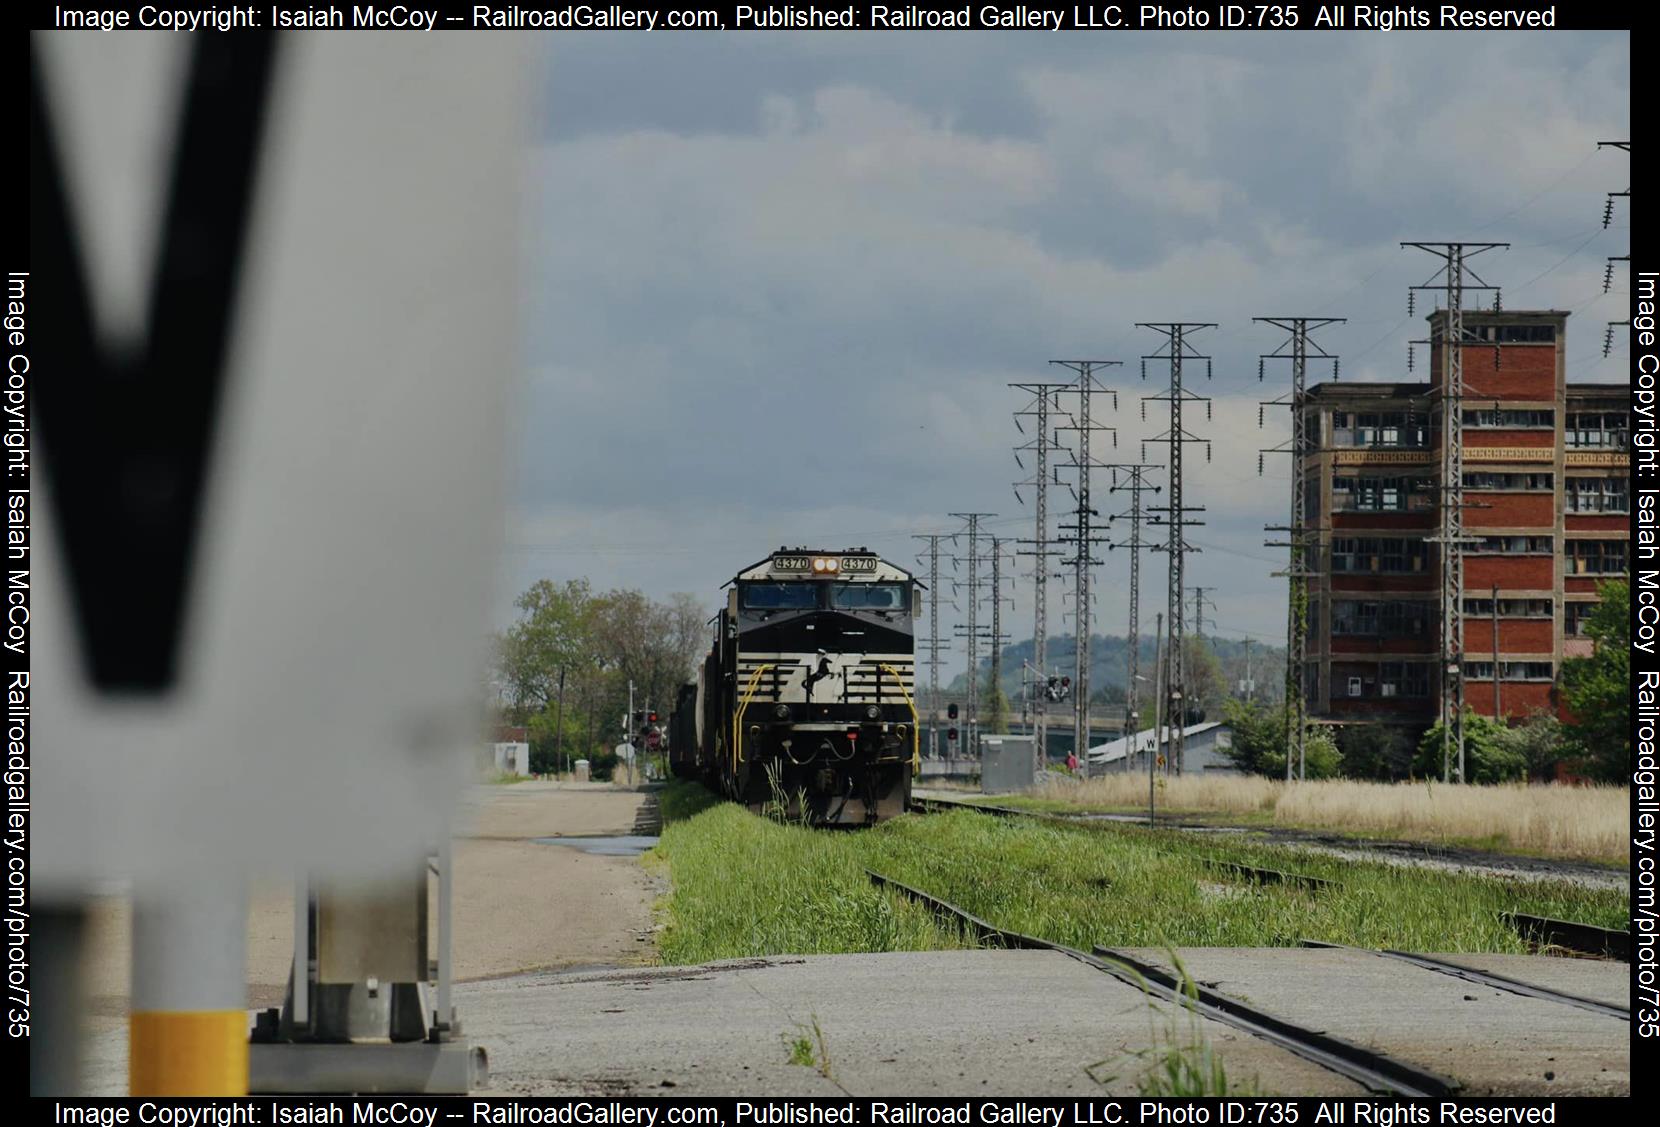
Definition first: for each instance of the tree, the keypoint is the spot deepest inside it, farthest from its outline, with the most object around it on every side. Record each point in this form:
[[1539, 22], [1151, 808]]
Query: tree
[[552, 636], [1541, 742], [1258, 735], [996, 709], [1320, 760], [1374, 751], [1489, 756], [1203, 680], [1597, 689]]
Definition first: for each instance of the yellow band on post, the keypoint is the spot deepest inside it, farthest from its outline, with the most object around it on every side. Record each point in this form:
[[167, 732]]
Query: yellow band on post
[[199, 1053]]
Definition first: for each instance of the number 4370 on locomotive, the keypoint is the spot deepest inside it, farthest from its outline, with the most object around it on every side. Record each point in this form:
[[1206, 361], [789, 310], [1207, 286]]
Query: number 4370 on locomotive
[[808, 693]]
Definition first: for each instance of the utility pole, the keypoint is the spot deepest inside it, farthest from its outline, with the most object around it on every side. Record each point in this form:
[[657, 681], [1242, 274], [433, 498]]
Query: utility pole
[[973, 631], [1302, 539], [1044, 444], [1131, 478], [935, 646], [1250, 685], [1455, 278], [1177, 352], [1608, 273]]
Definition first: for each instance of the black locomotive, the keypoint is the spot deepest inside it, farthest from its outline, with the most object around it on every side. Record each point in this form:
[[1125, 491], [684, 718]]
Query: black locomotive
[[805, 703]]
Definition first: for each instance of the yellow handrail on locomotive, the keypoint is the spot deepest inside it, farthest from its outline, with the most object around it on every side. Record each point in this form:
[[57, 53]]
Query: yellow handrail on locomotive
[[916, 733], [738, 717]]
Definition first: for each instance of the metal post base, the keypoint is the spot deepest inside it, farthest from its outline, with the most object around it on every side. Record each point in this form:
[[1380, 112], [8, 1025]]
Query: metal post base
[[444, 1068]]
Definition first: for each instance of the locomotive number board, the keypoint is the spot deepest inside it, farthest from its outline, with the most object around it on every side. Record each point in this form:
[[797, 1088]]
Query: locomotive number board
[[839, 565]]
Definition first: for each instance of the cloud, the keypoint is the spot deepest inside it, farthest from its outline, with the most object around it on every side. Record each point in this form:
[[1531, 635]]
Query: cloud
[[777, 290]]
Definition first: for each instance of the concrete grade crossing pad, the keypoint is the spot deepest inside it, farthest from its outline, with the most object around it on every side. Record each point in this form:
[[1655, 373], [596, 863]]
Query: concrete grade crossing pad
[[956, 1023], [1491, 1041]]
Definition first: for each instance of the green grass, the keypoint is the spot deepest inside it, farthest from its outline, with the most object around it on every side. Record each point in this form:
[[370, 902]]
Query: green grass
[[744, 886]]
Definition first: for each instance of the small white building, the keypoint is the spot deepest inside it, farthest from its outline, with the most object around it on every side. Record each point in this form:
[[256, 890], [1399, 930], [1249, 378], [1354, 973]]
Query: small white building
[[1204, 749], [512, 758]]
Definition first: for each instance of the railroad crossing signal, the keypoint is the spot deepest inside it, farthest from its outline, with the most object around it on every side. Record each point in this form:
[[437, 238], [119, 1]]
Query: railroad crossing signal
[[654, 738]]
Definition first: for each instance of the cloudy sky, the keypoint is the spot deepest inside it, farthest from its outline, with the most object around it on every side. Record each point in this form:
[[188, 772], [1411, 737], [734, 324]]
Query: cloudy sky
[[778, 283]]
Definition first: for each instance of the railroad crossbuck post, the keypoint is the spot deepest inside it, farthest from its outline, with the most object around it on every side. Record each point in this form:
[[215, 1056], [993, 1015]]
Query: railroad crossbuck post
[[261, 342]]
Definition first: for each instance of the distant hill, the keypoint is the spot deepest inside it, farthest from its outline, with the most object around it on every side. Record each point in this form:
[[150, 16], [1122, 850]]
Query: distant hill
[[1109, 659]]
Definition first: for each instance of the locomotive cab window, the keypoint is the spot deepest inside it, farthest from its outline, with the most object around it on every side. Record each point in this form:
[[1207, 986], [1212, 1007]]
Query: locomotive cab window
[[869, 596], [779, 596]]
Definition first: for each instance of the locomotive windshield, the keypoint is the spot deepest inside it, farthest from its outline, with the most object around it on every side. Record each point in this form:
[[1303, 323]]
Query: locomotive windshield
[[868, 596], [780, 596]]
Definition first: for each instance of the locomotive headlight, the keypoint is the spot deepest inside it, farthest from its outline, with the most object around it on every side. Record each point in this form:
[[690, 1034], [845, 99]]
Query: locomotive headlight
[[818, 563], [831, 563], [873, 712]]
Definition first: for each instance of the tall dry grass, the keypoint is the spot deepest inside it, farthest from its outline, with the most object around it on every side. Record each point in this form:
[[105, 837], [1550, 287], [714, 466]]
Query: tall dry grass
[[1550, 820]]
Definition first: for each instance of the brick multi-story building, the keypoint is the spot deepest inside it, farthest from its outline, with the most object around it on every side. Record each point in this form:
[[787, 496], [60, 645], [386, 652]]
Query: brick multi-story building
[[1547, 501]]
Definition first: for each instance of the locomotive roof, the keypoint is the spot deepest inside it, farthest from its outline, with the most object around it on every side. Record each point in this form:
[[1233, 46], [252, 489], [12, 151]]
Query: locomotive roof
[[885, 570]]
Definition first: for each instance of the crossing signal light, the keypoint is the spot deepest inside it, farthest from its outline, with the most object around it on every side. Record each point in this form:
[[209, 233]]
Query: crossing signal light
[[951, 713], [651, 718]]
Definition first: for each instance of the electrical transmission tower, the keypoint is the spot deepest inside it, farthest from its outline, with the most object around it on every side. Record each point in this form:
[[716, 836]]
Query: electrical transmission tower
[[1040, 409], [935, 646], [1083, 537], [1608, 273], [1177, 352], [1302, 539], [1131, 478], [972, 633], [1455, 277]]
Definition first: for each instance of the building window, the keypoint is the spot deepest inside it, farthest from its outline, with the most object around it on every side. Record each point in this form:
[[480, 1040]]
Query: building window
[[1378, 428], [1509, 608], [1596, 557], [1403, 679], [1377, 554], [1510, 671], [1608, 430], [1596, 494], [1395, 493], [1511, 482], [1391, 619], [1511, 546], [1511, 420], [1574, 618], [1503, 334], [1387, 679]]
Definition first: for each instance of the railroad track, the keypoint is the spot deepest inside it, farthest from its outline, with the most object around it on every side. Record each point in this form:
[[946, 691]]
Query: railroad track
[[1487, 978], [1366, 1067], [1233, 868], [1587, 939]]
